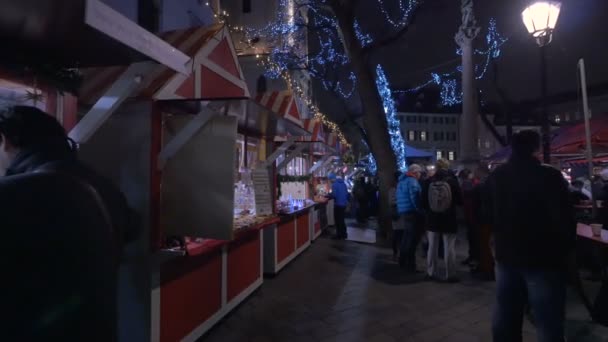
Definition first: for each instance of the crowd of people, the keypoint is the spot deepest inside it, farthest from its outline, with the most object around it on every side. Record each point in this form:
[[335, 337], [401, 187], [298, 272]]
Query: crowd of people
[[519, 219], [520, 225]]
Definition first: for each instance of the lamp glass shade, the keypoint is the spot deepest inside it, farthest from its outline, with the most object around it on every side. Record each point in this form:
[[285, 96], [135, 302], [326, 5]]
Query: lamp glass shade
[[541, 17]]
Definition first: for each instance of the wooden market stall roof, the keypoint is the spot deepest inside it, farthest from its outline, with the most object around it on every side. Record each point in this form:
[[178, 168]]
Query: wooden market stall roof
[[213, 71]]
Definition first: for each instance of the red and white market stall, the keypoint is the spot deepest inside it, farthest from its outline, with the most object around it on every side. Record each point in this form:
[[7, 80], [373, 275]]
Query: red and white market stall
[[169, 140]]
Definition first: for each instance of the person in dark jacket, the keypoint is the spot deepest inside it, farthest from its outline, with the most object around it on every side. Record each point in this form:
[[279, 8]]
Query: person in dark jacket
[[63, 234], [534, 231], [440, 196]]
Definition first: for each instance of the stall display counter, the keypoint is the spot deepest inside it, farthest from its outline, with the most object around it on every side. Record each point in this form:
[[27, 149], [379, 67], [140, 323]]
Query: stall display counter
[[288, 239], [319, 220], [198, 289]]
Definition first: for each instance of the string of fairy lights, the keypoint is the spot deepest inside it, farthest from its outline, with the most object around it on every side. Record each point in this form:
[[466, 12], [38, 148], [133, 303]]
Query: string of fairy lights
[[451, 92], [289, 34], [394, 126], [277, 66]]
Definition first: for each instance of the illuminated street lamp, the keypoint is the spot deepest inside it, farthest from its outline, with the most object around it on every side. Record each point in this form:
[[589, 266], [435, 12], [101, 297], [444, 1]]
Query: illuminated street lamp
[[540, 18]]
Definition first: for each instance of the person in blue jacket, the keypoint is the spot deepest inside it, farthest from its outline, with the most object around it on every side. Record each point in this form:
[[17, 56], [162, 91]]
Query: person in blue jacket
[[409, 208], [340, 195]]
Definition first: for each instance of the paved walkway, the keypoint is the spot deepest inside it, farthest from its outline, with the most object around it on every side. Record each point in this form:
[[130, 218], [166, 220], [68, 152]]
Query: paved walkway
[[345, 291]]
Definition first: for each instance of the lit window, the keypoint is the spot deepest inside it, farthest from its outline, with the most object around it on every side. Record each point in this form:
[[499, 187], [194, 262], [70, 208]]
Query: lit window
[[423, 136], [411, 135], [439, 154], [451, 155]]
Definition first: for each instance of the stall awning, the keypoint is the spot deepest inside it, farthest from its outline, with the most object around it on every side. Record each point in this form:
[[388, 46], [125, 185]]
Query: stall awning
[[213, 72], [573, 138], [411, 152], [282, 103], [583, 161], [315, 127]]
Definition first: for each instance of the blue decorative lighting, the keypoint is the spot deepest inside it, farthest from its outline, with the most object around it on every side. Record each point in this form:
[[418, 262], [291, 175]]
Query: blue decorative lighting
[[406, 9], [372, 167], [364, 39], [449, 82], [394, 127]]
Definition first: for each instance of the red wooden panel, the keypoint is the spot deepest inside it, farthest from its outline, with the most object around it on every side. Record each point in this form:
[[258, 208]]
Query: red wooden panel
[[222, 56], [243, 264], [70, 111], [216, 87], [189, 300], [286, 243], [303, 230], [156, 128]]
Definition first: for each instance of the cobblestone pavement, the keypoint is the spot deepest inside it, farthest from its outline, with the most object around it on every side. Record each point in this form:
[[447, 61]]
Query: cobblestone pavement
[[345, 291]]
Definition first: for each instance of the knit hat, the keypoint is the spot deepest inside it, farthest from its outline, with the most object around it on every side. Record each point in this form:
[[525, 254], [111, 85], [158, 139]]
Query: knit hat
[[443, 164], [332, 176]]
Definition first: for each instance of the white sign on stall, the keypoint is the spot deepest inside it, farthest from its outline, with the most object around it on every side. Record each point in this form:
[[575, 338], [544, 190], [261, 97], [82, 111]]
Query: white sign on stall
[[263, 197]]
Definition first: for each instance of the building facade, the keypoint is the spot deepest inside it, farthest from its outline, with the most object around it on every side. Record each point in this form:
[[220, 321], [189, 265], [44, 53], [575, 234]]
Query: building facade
[[432, 132]]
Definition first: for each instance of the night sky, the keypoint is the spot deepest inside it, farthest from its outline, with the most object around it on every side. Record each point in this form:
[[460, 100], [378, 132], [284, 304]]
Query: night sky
[[581, 31]]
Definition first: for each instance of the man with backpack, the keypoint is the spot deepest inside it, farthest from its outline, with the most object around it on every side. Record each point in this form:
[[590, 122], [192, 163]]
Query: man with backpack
[[440, 196]]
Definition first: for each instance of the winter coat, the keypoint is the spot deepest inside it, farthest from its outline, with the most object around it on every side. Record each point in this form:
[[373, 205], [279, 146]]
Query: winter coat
[[408, 195], [339, 193], [445, 222], [63, 285], [530, 213]]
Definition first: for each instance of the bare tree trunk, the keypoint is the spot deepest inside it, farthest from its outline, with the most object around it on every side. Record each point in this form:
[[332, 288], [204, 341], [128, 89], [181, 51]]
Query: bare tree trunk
[[374, 116]]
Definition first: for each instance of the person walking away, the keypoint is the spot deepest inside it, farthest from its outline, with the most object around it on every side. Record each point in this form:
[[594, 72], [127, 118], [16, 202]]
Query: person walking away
[[397, 222], [360, 194], [441, 194], [65, 225], [534, 232], [410, 211], [339, 193]]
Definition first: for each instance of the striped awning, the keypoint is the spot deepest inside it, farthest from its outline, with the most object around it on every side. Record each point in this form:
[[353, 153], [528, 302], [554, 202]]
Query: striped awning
[[214, 70], [282, 103], [315, 127]]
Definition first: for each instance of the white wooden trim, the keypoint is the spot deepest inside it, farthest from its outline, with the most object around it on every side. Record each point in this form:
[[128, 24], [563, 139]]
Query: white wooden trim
[[224, 276], [222, 72], [261, 254], [290, 258], [105, 19], [204, 327], [243, 295], [279, 151], [120, 90], [155, 315], [292, 155], [185, 134]]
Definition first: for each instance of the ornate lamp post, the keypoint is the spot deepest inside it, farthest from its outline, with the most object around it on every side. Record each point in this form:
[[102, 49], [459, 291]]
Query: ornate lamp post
[[540, 18]]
